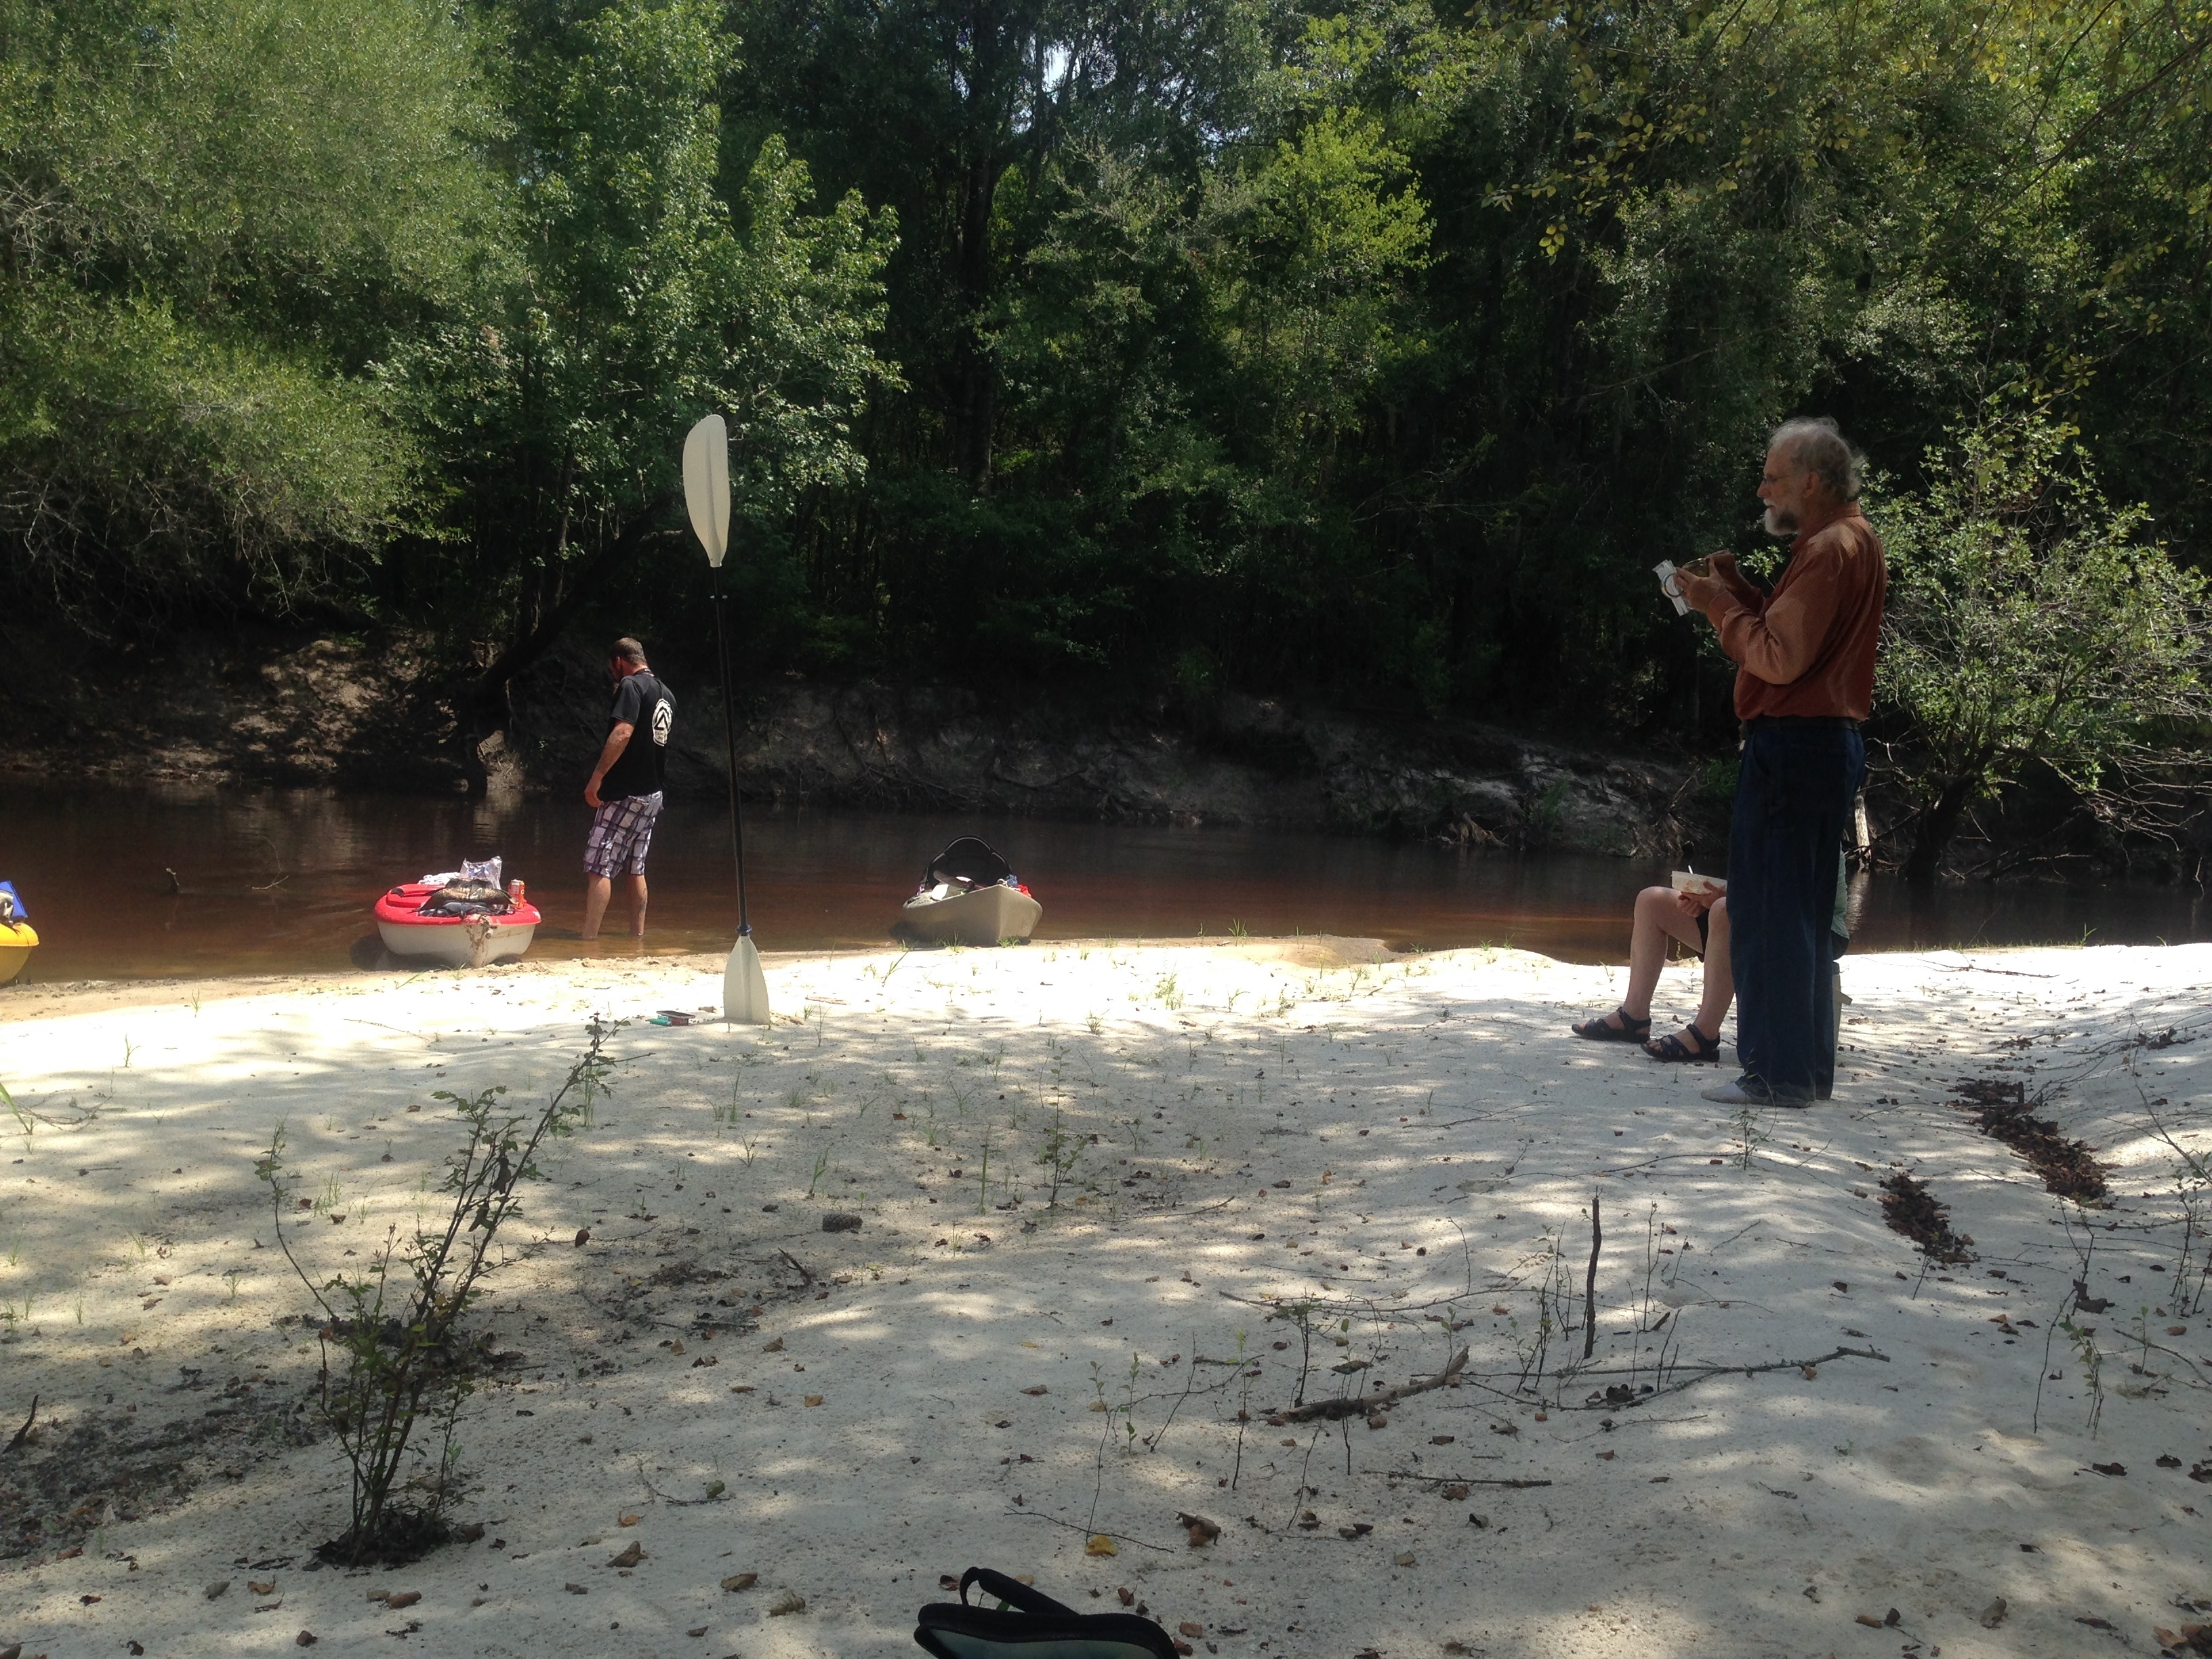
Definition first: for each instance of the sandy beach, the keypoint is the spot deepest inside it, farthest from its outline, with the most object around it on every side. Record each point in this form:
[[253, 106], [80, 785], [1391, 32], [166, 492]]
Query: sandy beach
[[1118, 1205]]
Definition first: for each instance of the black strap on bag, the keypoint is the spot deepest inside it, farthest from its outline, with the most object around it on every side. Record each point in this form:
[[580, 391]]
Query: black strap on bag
[[1029, 1624]]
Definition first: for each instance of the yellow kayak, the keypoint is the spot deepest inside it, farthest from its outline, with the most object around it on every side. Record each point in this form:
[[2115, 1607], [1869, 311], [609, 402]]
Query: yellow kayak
[[17, 940]]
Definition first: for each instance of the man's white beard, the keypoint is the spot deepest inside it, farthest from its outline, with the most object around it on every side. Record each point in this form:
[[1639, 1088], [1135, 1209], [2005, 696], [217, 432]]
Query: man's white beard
[[1779, 522]]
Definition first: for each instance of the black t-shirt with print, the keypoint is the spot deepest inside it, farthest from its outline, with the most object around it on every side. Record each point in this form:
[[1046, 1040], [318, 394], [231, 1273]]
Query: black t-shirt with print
[[642, 703]]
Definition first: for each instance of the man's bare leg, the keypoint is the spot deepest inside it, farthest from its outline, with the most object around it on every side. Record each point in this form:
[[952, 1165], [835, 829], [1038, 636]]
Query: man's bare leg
[[636, 885], [596, 890]]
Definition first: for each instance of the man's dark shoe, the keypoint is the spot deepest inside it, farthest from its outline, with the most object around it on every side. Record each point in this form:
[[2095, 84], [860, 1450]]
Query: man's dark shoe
[[1748, 1090]]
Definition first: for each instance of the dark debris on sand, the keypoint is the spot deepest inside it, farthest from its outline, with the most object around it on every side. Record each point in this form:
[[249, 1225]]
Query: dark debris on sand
[[1909, 1208], [2002, 1107], [74, 1476]]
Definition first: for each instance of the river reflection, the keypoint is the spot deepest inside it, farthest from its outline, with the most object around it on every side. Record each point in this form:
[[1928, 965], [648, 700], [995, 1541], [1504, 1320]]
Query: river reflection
[[282, 881]]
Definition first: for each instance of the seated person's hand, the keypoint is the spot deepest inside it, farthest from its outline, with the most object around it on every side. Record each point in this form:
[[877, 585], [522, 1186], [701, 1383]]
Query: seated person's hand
[[1694, 903]]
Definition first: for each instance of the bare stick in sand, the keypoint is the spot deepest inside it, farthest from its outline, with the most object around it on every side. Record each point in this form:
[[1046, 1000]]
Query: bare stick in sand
[[1328, 1410], [1589, 1284]]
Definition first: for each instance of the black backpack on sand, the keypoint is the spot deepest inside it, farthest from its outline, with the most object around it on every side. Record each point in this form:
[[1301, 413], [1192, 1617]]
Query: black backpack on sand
[[1029, 1624]]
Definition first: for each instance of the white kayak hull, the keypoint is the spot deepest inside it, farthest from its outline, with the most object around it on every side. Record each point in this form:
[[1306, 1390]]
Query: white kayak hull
[[457, 943], [983, 916]]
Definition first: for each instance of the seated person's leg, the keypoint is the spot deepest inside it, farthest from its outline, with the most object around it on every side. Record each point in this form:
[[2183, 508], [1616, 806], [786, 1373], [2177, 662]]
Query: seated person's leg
[[1832, 1029], [1659, 916], [1700, 1038], [1720, 980]]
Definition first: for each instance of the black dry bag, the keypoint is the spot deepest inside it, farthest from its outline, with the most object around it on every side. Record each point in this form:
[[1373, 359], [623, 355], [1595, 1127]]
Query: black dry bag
[[1029, 1624]]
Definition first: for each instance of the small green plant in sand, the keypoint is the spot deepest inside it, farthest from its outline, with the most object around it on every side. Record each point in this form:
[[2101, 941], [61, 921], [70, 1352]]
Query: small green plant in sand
[[821, 1168], [393, 1352], [2084, 1337], [726, 1117], [1060, 1154], [1750, 1135]]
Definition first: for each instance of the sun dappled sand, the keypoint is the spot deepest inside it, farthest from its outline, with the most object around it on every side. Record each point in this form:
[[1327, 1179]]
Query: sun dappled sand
[[1284, 1171]]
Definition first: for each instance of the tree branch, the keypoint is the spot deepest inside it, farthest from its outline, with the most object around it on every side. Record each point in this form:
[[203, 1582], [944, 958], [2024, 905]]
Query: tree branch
[[487, 704]]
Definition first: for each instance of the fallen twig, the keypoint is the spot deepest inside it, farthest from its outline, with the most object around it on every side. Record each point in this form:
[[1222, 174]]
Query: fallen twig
[[1331, 1411], [1708, 1372], [797, 1263], [1281, 1304], [1118, 1537], [24, 1433], [1440, 1479], [678, 1502]]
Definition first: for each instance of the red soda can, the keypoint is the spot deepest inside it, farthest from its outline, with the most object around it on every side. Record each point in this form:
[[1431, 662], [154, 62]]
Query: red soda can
[[514, 890]]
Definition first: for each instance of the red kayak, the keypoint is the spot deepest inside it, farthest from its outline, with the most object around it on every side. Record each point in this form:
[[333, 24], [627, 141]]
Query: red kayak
[[464, 941]]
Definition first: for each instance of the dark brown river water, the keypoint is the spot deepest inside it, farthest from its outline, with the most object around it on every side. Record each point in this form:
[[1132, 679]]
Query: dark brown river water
[[282, 881]]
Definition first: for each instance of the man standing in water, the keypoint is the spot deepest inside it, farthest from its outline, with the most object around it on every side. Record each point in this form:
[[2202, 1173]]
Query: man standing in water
[[1804, 681], [624, 790]]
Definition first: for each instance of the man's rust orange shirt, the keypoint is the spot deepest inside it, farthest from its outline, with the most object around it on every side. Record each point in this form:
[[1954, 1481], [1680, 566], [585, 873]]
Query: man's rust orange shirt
[[1807, 649]]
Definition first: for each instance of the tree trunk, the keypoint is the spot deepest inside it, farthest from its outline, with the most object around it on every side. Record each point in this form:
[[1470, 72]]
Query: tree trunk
[[1932, 838], [486, 709], [976, 380]]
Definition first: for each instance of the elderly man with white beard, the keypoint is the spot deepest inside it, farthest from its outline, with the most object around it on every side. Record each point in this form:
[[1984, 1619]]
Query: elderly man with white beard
[[1804, 657]]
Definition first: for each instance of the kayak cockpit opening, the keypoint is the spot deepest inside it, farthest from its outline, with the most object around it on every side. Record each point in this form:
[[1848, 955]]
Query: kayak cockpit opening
[[970, 895]]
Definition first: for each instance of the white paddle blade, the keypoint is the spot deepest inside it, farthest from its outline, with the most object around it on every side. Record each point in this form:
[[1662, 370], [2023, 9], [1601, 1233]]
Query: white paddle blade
[[706, 486], [745, 986]]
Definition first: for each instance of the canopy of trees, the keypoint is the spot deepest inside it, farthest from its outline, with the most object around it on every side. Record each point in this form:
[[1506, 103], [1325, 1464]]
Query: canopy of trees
[[1371, 349]]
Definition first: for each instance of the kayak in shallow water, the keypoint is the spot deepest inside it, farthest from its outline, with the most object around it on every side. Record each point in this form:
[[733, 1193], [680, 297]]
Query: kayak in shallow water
[[419, 919], [18, 939], [969, 895]]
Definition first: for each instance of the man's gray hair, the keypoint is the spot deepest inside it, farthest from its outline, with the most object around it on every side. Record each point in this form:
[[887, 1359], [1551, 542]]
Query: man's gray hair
[[1816, 443]]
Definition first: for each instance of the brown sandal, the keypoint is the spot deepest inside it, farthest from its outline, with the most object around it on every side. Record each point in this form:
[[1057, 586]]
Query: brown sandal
[[1672, 1048], [1601, 1029]]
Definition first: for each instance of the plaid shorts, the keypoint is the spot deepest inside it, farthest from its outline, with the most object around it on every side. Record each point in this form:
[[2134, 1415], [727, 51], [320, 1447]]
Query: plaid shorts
[[622, 831]]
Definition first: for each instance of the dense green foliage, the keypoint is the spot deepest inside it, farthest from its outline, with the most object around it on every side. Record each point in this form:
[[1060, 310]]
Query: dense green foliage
[[216, 217], [2031, 625], [1371, 349]]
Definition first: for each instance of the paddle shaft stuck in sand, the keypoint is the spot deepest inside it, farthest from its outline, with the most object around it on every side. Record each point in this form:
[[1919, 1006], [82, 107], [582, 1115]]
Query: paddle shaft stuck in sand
[[707, 498]]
